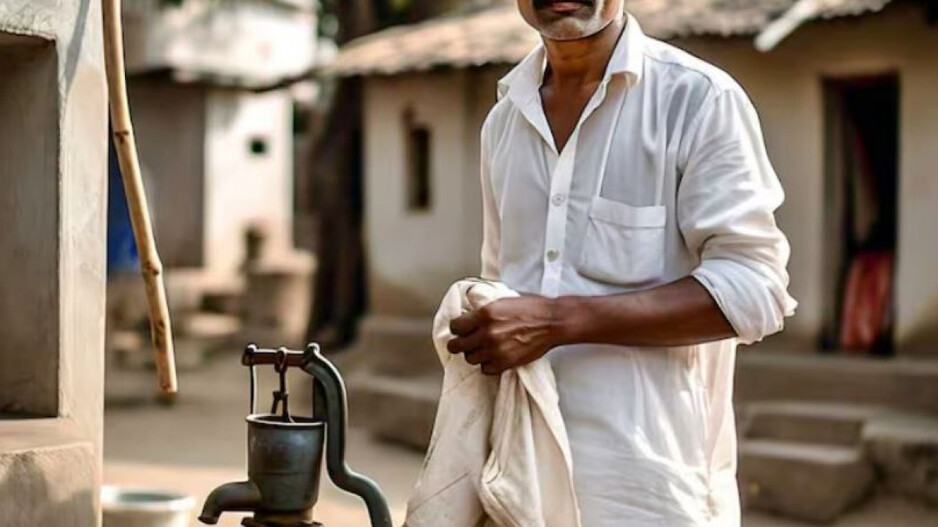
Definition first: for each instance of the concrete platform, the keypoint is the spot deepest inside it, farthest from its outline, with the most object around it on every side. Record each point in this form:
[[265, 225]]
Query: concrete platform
[[824, 444], [48, 474], [812, 482], [905, 384], [905, 451], [807, 422], [398, 409], [396, 386], [397, 346]]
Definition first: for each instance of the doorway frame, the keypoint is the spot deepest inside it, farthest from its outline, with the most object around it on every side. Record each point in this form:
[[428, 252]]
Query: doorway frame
[[835, 265]]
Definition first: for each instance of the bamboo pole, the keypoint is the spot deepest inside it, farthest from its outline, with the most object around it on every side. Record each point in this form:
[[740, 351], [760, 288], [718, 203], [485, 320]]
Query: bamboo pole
[[150, 266]]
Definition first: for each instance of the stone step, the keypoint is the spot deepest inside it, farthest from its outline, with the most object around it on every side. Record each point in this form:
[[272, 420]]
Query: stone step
[[807, 422], [47, 472], [398, 346], [196, 336], [904, 448], [186, 287], [190, 353], [126, 341], [903, 384], [810, 482], [208, 326], [399, 409], [223, 301]]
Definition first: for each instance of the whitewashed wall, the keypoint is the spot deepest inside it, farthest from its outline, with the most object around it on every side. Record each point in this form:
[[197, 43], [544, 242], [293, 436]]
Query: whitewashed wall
[[53, 181], [258, 40], [243, 188], [411, 255]]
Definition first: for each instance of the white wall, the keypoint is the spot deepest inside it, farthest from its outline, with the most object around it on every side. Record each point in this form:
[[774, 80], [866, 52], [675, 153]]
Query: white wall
[[170, 123], [205, 186], [917, 329], [413, 256], [242, 188], [786, 86], [257, 40]]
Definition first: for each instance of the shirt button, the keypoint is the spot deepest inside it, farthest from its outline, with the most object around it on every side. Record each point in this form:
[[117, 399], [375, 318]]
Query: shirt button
[[558, 199], [552, 255]]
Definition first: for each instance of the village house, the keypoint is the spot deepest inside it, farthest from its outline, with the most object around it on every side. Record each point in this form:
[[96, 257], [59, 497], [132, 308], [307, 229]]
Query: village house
[[845, 91], [210, 89], [214, 88]]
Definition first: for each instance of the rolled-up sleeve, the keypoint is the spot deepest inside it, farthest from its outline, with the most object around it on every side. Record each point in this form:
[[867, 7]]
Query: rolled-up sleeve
[[727, 198]]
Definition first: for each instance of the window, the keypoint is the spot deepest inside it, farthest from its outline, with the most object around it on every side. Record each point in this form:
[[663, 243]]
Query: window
[[258, 145], [419, 142]]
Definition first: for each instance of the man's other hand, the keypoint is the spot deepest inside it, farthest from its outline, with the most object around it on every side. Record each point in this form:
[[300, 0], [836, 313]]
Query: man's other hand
[[507, 333]]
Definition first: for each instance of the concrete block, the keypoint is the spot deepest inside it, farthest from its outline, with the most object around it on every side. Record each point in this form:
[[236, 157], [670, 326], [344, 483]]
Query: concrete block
[[29, 213], [805, 422], [48, 475], [904, 449], [397, 409], [223, 301], [398, 346], [209, 326], [804, 481], [910, 385], [53, 186], [186, 287], [277, 300], [197, 335]]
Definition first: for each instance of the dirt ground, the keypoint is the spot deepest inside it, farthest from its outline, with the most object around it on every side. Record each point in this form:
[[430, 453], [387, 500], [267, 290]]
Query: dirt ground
[[199, 443]]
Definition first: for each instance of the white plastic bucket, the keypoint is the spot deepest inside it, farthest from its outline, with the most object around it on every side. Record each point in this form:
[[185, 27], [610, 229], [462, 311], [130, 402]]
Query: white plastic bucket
[[134, 507]]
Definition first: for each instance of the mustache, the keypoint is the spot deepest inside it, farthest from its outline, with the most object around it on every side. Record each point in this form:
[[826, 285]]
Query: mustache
[[538, 4]]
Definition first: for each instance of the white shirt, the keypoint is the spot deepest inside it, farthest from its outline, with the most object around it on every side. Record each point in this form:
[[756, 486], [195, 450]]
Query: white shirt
[[665, 176]]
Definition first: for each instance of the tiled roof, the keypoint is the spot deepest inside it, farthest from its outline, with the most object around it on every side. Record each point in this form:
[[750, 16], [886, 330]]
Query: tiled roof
[[498, 35]]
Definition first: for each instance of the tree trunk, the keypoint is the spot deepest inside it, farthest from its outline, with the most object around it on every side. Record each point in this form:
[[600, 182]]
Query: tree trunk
[[339, 296]]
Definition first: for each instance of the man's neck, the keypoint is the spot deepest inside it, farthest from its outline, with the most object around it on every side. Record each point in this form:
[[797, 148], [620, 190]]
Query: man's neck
[[583, 61]]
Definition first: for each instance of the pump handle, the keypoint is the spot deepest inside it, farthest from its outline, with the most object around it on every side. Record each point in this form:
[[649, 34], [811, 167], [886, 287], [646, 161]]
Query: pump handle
[[332, 389]]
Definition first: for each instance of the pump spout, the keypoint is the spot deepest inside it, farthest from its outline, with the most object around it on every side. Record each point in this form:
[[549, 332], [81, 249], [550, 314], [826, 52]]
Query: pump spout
[[242, 496]]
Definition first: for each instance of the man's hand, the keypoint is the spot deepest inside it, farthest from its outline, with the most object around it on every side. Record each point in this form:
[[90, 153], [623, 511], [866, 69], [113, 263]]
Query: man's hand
[[507, 333]]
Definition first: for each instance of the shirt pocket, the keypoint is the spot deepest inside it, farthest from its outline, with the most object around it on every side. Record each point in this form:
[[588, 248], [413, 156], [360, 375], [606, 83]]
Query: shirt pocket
[[624, 245]]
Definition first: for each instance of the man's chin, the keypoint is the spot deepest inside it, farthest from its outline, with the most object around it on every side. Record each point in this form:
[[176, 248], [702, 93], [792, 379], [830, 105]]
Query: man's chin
[[570, 28]]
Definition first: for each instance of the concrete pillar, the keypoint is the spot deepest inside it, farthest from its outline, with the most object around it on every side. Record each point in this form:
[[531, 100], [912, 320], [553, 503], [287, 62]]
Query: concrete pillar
[[917, 281], [53, 167]]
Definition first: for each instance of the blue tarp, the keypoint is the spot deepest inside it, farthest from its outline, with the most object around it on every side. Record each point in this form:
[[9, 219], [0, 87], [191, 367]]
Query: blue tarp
[[122, 254]]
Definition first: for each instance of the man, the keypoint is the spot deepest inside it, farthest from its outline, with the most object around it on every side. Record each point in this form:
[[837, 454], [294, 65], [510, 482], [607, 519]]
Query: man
[[628, 194]]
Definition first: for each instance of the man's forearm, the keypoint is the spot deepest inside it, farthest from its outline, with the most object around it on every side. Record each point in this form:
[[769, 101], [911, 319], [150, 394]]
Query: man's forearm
[[677, 314]]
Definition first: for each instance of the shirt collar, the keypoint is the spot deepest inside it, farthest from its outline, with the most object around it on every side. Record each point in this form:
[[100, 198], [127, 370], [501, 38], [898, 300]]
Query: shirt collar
[[628, 59]]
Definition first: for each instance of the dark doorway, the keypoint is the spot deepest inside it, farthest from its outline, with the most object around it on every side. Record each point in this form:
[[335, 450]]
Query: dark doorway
[[861, 216]]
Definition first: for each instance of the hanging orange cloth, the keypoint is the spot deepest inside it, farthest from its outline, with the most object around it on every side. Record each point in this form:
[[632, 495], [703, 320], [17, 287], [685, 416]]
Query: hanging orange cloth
[[867, 299]]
